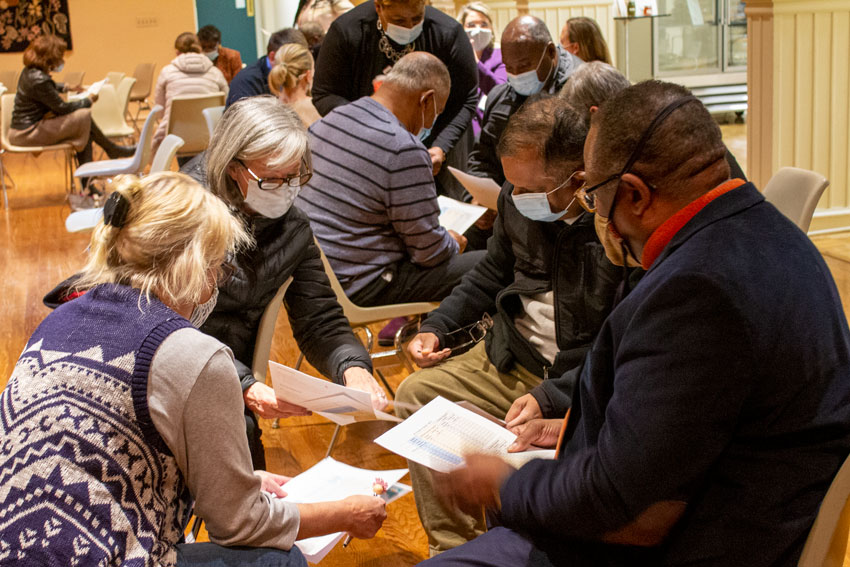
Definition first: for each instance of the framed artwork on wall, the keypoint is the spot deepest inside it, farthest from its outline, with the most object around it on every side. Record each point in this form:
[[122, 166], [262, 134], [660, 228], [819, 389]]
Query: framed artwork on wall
[[21, 21]]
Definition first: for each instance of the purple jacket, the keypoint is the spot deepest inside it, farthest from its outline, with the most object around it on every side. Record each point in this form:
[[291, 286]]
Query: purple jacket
[[491, 72]]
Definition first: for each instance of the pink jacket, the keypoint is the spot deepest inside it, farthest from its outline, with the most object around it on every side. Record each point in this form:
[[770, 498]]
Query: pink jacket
[[187, 74]]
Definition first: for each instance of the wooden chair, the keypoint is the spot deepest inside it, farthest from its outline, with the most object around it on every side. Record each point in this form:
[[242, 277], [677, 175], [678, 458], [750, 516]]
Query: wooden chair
[[826, 545], [186, 119], [165, 153], [7, 103], [796, 192]]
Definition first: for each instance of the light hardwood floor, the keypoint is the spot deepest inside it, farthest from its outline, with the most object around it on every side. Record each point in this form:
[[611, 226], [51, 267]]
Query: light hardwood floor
[[38, 253]]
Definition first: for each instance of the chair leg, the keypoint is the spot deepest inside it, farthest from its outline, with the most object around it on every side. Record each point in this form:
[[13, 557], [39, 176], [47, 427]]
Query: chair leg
[[3, 181], [333, 441], [386, 384], [399, 339]]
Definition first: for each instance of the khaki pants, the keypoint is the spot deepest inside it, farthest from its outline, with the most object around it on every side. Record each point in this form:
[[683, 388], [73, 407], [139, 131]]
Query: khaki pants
[[469, 376], [73, 128]]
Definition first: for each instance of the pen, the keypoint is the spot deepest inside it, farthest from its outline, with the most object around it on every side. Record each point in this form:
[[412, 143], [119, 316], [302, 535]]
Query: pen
[[378, 488]]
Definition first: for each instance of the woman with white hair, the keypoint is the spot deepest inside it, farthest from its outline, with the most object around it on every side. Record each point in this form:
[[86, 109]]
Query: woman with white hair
[[106, 428], [257, 161]]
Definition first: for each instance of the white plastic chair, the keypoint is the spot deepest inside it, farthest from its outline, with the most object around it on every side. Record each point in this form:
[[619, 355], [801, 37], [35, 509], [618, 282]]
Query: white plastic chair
[[123, 90], [212, 115], [265, 334], [135, 164], [9, 79], [7, 103], [186, 119], [826, 545], [796, 192], [165, 153], [114, 78], [141, 89], [108, 114], [73, 78]]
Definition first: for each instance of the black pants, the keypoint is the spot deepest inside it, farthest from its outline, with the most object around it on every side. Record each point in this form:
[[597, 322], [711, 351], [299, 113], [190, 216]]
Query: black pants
[[113, 150], [255, 442], [406, 282]]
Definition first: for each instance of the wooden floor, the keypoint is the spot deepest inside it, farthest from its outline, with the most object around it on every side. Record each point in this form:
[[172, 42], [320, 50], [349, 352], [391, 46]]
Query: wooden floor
[[38, 253]]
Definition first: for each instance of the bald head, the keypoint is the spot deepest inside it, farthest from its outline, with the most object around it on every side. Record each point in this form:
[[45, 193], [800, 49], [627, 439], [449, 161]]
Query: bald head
[[526, 30], [526, 46], [419, 71]]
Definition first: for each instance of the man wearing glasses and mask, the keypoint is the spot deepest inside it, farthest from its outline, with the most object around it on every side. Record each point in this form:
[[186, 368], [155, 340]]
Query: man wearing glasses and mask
[[714, 408], [547, 285]]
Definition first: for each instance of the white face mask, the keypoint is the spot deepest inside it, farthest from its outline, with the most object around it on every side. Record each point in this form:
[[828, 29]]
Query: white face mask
[[425, 132], [480, 37], [403, 36], [213, 55], [271, 204], [203, 310], [59, 68], [528, 83]]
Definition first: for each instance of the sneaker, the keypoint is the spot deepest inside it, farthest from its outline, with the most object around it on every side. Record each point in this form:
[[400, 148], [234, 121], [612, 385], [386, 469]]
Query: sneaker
[[387, 335]]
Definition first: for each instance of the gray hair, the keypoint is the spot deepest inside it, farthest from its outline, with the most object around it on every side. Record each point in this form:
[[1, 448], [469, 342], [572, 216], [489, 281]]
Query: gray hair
[[259, 127], [420, 71], [591, 85]]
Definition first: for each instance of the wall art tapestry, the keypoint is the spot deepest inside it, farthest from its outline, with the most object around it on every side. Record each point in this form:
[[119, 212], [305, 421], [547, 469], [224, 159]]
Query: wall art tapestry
[[21, 21]]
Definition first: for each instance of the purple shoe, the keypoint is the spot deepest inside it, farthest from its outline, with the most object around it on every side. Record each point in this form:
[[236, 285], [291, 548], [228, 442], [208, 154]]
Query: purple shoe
[[387, 335]]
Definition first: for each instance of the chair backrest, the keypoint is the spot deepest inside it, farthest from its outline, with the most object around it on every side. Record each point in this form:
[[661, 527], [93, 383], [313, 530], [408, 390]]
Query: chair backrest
[[165, 153], [10, 79], [123, 92], [114, 78], [357, 315], [826, 545], [186, 119], [144, 81], [212, 115], [143, 149], [265, 333], [7, 104], [73, 78], [796, 192], [108, 113]]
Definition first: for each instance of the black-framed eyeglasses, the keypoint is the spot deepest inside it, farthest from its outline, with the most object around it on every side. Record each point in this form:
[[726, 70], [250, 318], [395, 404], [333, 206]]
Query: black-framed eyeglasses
[[586, 196], [272, 183], [465, 337]]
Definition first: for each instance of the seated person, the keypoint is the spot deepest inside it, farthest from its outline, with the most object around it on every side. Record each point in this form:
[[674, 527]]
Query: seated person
[[106, 418], [534, 64], [253, 80], [372, 202], [594, 83], [291, 80], [226, 60], [547, 285], [190, 73], [714, 407], [582, 37], [40, 116]]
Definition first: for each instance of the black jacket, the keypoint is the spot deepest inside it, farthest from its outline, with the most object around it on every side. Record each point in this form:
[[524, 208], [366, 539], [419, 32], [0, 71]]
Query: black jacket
[[284, 247], [253, 80], [37, 95], [502, 102], [524, 258], [350, 59]]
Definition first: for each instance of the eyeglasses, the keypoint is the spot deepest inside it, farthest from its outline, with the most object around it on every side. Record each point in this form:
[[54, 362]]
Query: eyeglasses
[[586, 196], [469, 335], [272, 183]]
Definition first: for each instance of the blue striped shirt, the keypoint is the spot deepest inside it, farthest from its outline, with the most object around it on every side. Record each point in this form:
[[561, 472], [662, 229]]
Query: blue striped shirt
[[372, 201]]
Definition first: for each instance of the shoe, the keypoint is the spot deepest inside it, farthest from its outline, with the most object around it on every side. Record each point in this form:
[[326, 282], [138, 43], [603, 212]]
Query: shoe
[[117, 152], [387, 335]]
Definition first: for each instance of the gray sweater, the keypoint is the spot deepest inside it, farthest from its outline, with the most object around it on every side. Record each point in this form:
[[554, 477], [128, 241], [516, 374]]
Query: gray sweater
[[196, 405]]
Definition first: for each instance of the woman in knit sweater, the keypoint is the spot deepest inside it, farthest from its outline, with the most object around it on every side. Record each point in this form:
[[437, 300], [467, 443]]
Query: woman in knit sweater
[[120, 412]]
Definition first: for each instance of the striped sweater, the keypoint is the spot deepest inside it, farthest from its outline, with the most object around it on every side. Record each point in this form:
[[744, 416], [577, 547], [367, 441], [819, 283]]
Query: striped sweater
[[372, 201]]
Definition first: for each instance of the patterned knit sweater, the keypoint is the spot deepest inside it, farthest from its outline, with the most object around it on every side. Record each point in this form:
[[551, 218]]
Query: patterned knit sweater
[[85, 478]]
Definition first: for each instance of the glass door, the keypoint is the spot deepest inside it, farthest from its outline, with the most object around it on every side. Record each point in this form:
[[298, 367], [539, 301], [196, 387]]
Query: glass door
[[735, 31], [689, 39]]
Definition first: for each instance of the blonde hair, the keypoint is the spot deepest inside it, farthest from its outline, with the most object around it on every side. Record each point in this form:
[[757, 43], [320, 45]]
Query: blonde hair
[[256, 127], [291, 62], [482, 9], [174, 233]]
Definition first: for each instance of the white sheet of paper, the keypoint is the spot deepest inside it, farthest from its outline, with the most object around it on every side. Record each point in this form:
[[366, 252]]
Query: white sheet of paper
[[334, 402], [485, 190], [331, 480], [458, 216], [94, 88], [441, 433]]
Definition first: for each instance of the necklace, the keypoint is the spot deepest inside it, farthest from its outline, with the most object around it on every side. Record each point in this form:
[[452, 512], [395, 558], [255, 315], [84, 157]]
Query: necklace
[[387, 49]]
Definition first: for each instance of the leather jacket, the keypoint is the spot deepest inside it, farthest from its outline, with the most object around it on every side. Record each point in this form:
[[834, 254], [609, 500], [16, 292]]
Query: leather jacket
[[37, 96]]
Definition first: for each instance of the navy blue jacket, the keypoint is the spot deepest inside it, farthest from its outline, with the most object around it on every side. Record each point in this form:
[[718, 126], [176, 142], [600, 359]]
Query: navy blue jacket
[[253, 80], [722, 380]]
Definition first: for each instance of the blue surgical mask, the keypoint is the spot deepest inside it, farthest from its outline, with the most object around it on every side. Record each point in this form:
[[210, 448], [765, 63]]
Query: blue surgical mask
[[535, 206], [403, 36], [425, 132], [528, 83], [213, 55]]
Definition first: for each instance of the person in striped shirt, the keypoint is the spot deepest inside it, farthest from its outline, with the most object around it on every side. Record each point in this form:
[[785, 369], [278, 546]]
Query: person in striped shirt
[[372, 201]]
